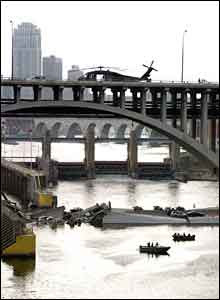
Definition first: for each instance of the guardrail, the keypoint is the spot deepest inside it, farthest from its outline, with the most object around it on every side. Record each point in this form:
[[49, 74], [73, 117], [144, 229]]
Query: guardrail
[[203, 81]]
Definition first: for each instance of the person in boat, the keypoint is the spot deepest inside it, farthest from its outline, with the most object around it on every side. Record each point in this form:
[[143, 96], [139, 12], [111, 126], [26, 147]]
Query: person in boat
[[184, 235], [189, 235], [152, 244], [156, 245], [148, 244]]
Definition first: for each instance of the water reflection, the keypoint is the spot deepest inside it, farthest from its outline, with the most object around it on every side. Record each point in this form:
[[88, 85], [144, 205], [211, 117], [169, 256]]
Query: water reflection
[[131, 188], [153, 255], [21, 266]]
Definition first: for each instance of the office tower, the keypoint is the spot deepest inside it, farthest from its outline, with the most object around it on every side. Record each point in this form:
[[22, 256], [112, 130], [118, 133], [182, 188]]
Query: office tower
[[26, 51], [26, 54], [52, 70]]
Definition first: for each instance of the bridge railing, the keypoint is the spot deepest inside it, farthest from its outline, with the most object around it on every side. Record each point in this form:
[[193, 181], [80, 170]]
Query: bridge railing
[[203, 81]]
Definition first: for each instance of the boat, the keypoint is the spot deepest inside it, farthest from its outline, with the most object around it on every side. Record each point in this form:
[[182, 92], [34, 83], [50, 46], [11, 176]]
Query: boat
[[154, 249], [182, 237]]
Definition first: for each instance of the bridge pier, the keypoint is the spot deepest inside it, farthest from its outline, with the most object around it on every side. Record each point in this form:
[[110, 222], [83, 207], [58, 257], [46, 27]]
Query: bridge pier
[[143, 101], [58, 93], [163, 115], [78, 93], [37, 89], [133, 155], [135, 99], [17, 92], [183, 120], [90, 153], [45, 163], [174, 153], [204, 118], [99, 95], [122, 98]]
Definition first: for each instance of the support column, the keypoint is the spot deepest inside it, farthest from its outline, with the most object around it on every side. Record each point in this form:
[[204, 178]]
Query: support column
[[81, 93], [213, 135], [37, 92], [133, 155], [102, 95], [164, 106], [213, 127], [115, 97], [58, 93], [143, 101], [183, 119], [90, 153], [174, 152], [95, 95], [122, 98], [153, 97], [193, 121], [204, 118], [46, 146], [75, 94], [134, 99], [17, 92]]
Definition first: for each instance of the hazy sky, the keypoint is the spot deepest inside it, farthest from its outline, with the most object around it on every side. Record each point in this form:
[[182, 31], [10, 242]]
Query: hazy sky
[[125, 34]]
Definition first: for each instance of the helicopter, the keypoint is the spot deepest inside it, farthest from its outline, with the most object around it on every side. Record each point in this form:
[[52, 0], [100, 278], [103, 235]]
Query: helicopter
[[107, 75]]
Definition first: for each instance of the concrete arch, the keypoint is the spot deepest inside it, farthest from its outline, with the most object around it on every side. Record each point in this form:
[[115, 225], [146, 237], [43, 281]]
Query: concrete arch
[[121, 131], [91, 126], [139, 129], [54, 131], [106, 130], [40, 130], [209, 158], [74, 130]]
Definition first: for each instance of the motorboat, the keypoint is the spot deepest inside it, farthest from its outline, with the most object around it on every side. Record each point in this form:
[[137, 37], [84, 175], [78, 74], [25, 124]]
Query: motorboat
[[154, 249], [182, 237]]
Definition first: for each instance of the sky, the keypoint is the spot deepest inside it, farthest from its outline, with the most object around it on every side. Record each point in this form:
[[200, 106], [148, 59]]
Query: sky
[[123, 34]]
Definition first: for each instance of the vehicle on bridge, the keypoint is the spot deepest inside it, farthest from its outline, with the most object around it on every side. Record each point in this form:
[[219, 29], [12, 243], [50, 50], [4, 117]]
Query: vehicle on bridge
[[107, 75]]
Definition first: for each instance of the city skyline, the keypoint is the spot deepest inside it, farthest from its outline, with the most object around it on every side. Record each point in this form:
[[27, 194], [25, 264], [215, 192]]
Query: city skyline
[[122, 34]]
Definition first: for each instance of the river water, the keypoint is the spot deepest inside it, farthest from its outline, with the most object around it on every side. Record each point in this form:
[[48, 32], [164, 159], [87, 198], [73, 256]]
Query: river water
[[92, 263]]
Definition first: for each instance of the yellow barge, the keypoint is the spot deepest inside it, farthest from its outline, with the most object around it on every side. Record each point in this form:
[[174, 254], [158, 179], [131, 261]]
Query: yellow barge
[[17, 239], [25, 245]]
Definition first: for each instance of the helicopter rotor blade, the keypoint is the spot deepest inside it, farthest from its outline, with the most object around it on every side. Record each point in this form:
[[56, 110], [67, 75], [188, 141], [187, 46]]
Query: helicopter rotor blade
[[152, 63], [145, 66]]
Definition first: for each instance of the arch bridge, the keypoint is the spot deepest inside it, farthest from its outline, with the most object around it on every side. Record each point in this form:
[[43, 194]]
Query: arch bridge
[[151, 104]]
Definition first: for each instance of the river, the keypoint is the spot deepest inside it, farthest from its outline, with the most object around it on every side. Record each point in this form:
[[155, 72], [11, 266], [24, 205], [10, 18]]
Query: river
[[92, 263]]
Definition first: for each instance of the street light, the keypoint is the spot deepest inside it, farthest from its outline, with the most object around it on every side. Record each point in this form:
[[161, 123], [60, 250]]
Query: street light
[[12, 60], [183, 54]]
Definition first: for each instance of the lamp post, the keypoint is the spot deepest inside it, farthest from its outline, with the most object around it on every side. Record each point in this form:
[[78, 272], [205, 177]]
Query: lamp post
[[12, 46], [183, 54]]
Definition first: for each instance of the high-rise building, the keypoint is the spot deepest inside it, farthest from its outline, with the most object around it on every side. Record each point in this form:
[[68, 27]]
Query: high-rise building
[[26, 51], [26, 54], [52, 68]]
